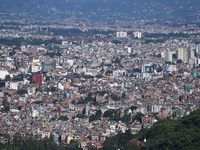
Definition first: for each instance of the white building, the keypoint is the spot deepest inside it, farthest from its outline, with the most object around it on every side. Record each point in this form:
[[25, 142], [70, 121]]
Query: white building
[[64, 43], [129, 50], [137, 35], [14, 85], [171, 68], [3, 74], [70, 62], [121, 34], [182, 54]]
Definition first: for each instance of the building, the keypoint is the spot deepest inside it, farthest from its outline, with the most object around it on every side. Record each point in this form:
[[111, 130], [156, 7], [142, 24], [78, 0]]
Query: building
[[137, 35], [147, 68], [169, 57], [64, 43], [121, 34], [3, 74], [182, 54], [14, 85], [191, 54], [195, 73], [37, 79], [35, 68], [129, 50]]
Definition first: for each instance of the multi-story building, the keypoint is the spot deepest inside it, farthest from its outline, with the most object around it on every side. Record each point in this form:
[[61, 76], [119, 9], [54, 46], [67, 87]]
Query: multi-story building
[[182, 54], [137, 35], [168, 57], [121, 34]]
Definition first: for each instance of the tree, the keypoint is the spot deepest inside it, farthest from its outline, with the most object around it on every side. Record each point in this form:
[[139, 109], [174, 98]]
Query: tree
[[19, 107], [110, 143], [64, 118], [52, 89], [89, 137], [73, 102], [117, 61], [115, 97], [123, 95], [108, 113], [7, 78], [98, 113], [6, 106], [73, 145], [99, 76], [93, 117], [138, 117], [133, 108], [108, 72], [21, 91], [116, 42], [18, 78], [159, 69], [179, 61]]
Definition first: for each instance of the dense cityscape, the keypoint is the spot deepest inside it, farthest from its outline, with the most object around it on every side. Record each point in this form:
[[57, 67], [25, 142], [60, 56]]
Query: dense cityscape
[[81, 82]]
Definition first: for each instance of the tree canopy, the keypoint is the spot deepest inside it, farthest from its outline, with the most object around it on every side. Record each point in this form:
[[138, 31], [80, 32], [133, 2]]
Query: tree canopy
[[183, 133]]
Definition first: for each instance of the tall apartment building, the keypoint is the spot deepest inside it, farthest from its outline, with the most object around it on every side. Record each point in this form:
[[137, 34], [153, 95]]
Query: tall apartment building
[[182, 54], [168, 57], [191, 53], [121, 34], [137, 35]]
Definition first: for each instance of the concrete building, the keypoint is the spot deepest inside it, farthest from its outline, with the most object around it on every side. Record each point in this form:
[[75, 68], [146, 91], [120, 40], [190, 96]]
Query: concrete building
[[182, 54], [121, 34], [137, 35], [168, 57], [3, 74]]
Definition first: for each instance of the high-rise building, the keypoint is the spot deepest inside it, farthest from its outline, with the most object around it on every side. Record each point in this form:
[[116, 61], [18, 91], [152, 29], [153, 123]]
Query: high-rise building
[[168, 57], [182, 54], [121, 34], [137, 35], [191, 53]]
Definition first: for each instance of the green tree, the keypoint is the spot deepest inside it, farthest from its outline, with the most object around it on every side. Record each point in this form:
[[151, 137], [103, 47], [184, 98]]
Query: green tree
[[6, 106], [116, 42], [7, 78], [98, 113], [19, 107], [138, 117], [133, 108], [64, 118], [108, 113], [123, 95], [93, 117], [21, 91], [115, 97], [179, 61]]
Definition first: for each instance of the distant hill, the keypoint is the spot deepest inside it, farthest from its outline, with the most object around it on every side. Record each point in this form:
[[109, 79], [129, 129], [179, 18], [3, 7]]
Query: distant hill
[[106, 10]]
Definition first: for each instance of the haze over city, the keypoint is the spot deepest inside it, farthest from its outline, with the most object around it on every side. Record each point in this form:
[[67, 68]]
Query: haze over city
[[99, 74]]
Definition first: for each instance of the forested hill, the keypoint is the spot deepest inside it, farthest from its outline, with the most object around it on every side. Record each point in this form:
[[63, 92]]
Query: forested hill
[[181, 134], [106, 9]]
